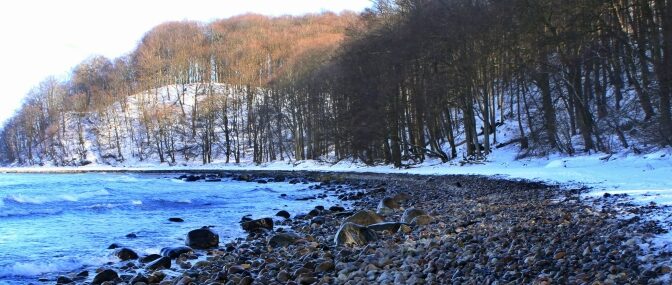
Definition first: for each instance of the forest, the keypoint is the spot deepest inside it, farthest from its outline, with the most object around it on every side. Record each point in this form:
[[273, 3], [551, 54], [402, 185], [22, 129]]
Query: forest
[[402, 82]]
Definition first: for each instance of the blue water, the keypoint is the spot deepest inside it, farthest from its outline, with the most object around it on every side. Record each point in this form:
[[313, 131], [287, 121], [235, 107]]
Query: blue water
[[57, 223]]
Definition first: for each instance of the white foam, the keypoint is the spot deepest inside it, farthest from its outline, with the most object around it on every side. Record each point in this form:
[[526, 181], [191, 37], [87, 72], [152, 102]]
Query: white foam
[[136, 202], [41, 199], [30, 269]]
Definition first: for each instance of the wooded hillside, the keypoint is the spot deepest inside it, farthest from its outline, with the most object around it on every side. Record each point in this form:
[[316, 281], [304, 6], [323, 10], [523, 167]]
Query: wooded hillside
[[401, 82]]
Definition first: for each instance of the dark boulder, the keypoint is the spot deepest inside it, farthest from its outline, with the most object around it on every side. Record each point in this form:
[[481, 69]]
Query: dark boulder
[[336, 209], [176, 220], [161, 263], [364, 218], [422, 220], [125, 253], [387, 206], [63, 280], [104, 276], [410, 214], [175, 252], [139, 279], [202, 238], [150, 258], [283, 213], [392, 227], [258, 225], [354, 234], [282, 240], [114, 246]]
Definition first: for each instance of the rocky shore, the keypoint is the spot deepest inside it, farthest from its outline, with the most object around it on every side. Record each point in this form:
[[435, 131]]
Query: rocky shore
[[405, 229]]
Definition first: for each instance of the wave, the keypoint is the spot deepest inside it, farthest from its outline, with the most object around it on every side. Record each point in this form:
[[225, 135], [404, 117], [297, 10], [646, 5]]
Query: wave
[[42, 199], [33, 269], [136, 202], [5, 213]]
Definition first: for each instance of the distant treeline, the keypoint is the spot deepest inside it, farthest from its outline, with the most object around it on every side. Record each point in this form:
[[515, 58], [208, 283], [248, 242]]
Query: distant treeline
[[400, 82]]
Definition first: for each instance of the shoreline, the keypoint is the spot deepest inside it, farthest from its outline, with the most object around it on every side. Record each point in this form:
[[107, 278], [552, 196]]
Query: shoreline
[[478, 230]]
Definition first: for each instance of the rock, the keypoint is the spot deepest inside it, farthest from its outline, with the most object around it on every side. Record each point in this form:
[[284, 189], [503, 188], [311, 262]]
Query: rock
[[185, 280], [247, 280], [318, 220], [351, 233], [392, 227], [306, 280], [83, 274], [139, 278], [326, 266], [161, 263], [114, 246], [125, 254], [191, 178], [235, 269], [282, 276], [104, 276], [421, 220], [156, 277], [282, 240], [401, 197], [404, 228], [283, 213], [63, 280], [257, 225], [336, 209], [364, 218], [131, 235], [149, 258], [175, 252], [387, 206], [314, 213], [176, 220], [410, 214], [202, 238]]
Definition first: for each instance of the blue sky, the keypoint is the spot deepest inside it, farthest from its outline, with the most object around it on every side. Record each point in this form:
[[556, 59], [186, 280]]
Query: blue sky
[[42, 37]]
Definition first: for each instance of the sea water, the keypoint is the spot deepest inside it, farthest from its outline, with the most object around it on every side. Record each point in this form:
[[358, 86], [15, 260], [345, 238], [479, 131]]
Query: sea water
[[57, 223]]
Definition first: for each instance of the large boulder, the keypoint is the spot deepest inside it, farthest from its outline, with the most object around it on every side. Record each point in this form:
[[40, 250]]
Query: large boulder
[[283, 213], [202, 238], [401, 197], [149, 258], [161, 263], [175, 252], [392, 227], [282, 240], [422, 220], [354, 234], [387, 206], [364, 218], [125, 253], [104, 276], [410, 214], [258, 225]]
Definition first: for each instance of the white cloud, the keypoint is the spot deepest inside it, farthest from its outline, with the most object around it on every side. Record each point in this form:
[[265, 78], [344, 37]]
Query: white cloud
[[43, 38]]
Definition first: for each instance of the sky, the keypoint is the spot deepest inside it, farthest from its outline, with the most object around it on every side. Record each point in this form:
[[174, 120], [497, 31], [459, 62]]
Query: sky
[[41, 38]]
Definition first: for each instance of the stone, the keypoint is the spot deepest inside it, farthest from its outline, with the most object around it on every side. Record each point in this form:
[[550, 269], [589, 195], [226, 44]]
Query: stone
[[175, 252], [336, 209], [125, 253], [283, 213], [257, 225], [104, 276], [326, 266], [202, 238], [392, 227], [131, 235], [149, 258], [401, 197], [282, 240], [282, 276], [176, 220], [114, 246], [410, 214], [318, 220], [421, 220], [139, 278], [161, 263], [364, 218], [247, 280], [63, 280], [387, 206], [354, 234], [235, 269]]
